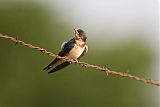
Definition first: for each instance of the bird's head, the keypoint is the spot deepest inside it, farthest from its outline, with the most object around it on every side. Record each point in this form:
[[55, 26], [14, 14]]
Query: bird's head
[[80, 35]]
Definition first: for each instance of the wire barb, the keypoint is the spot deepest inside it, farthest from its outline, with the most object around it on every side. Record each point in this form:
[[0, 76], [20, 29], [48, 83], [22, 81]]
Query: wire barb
[[82, 64]]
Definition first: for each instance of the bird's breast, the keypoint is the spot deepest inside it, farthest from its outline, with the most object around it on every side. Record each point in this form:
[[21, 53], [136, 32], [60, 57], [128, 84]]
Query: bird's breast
[[75, 52]]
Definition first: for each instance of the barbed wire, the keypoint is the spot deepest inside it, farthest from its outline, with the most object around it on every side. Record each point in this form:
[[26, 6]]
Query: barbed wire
[[82, 64]]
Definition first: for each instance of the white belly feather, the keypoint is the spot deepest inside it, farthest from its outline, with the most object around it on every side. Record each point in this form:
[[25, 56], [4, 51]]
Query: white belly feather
[[75, 52]]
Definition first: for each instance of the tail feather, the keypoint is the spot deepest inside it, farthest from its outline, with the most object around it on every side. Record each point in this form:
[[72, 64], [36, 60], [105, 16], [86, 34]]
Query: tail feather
[[55, 62], [47, 67], [59, 67]]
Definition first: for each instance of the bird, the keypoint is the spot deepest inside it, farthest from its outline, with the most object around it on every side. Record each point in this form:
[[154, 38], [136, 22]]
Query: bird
[[75, 48]]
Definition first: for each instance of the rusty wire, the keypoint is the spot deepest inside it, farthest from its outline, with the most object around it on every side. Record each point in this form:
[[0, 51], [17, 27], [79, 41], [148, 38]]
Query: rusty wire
[[82, 64]]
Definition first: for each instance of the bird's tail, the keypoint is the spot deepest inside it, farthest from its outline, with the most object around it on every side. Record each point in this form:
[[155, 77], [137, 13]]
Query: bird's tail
[[54, 63], [48, 67], [59, 67]]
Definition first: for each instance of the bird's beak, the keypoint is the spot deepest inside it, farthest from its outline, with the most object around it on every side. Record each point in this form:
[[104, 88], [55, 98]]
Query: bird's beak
[[75, 31], [76, 34]]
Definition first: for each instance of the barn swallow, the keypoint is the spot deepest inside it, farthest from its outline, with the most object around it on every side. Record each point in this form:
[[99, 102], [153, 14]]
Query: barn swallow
[[73, 49]]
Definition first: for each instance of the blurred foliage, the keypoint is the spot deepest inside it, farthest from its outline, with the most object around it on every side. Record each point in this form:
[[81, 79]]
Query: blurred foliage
[[24, 84]]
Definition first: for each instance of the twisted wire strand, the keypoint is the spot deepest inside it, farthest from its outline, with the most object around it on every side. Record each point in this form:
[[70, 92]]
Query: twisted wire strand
[[82, 64]]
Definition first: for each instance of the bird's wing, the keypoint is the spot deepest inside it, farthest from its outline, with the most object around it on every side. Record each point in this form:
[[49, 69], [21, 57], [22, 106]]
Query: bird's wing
[[63, 44], [57, 63], [84, 52]]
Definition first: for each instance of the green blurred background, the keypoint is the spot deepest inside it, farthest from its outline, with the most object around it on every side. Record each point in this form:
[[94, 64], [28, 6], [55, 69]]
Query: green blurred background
[[115, 40]]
